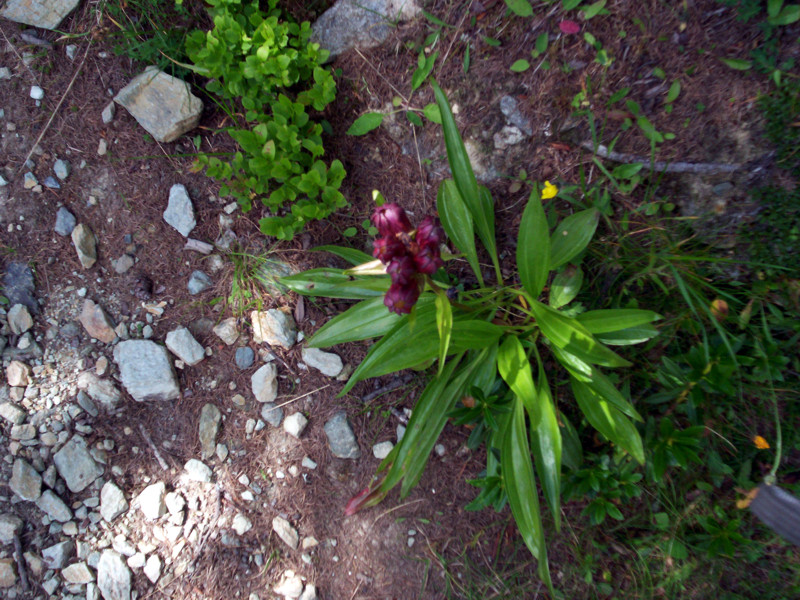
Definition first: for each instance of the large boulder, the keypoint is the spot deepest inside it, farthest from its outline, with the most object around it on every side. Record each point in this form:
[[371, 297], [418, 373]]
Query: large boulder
[[46, 14]]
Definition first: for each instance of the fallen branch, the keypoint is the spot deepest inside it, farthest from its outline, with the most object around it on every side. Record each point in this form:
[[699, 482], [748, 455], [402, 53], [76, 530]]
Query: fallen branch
[[664, 167], [149, 440], [392, 385]]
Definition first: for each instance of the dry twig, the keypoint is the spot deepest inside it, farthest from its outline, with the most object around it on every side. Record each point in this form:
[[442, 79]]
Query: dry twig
[[149, 440], [23, 575], [665, 167]]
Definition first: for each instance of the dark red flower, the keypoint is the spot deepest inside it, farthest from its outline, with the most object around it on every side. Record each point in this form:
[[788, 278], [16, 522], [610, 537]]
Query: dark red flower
[[429, 233], [402, 270], [400, 298], [386, 249], [391, 219], [427, 260], [569, 27]]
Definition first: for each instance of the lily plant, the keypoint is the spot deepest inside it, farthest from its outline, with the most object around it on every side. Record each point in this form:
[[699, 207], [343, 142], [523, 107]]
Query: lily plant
[[496, 343]]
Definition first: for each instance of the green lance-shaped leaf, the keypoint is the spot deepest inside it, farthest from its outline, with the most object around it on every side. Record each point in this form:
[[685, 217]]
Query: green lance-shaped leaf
[[479, 202], [628, 337], [522, 8], [366, 123], [572, 456], [444, 324], [568, 334], [572, 236], [615, 319], [533, 247], [566, 286], [608, 420], [457, 223], [520, 486], [546, 444], [351, 255], [334, 283], [515, 369]]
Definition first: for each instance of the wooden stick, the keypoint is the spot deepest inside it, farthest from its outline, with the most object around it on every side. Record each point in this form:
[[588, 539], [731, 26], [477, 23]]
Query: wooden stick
[[23, 575], [149, 440], [665, 167]]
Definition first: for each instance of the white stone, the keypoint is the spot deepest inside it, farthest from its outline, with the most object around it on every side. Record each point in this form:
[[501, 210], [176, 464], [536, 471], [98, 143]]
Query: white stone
[[226, 331], [19, 319], [273, 326], [37, 93], [76, 465], [326, 363], [197, 471], [183, 345], [46, 14], [113, 576], [151, 500], [54, 507], [180, 212], [146, 370], [286, 532], [295, 424], [112, 501], [241, 524], [78, 573], [25, 481], [382, 449], [290, 585], [152, 568]]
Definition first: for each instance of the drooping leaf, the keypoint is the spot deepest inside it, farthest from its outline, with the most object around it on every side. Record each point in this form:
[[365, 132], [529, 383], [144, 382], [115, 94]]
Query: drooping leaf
[[546, 444], [522, 8], [565, 286], [615, 319], [572, 455], [572, 236], [608, 420], [424, 68], [444, 324], [333, 283], [521, 486], [366, 320], [515, 369], [533, 247], [351, 255], [629, 336], [570, 335], [366, 123], [457, 223]]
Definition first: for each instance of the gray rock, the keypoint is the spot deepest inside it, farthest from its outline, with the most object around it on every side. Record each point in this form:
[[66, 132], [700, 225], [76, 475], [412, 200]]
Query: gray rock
[[272, 414], [102, 390], [286, 532], [183, 345], [51, 183], [10, 525], [65, 222], [19, 319], [57, 555], [18, 286], [198, 282], [210, 419], [78, 573], [241, 524], [360, 23], [62, 169], [152, 568], [326, 363], [197, 471], [146, 370], [269, 273], [151, 501], [113, 576], [341, 439], [25, 481], [123, 264], [86, 403], [226, 331], [108, 113], [507, 136], [75, 465], [12, 413], [510, 109], [18, 374], [46, 14], [265, 383], [112, 501], [23, 432], [295, 424], [309, 593], [96, 322], [29, 181], [180, 213], [244, 357], [85, 245], [54, 507], [162, 104], [274, 327]]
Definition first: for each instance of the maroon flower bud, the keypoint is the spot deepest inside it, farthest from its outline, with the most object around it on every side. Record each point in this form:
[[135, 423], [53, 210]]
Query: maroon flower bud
[[386, 249], [400, 298], [427, 260], [429, 233], [390, 220], [402, 270]]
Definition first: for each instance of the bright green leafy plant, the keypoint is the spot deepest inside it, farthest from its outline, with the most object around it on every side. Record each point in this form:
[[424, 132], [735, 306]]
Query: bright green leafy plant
[[260, 61], [492, 344]]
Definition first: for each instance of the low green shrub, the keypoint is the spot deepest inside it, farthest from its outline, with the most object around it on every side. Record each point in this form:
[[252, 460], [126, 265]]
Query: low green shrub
[[270, 69]]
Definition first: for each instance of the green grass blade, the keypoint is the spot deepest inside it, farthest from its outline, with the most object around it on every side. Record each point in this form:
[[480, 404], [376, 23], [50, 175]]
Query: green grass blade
[[444, 324]]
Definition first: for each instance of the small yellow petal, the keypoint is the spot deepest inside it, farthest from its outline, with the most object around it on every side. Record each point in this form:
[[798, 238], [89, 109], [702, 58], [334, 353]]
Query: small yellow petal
[[761, 443], [549, 191]]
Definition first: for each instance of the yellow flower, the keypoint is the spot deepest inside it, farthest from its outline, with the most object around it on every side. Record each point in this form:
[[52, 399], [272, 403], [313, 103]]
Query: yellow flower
[[549, 191], [761, 443]]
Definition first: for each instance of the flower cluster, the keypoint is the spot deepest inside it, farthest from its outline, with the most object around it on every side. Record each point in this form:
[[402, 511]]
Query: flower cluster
[[406, 254]]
